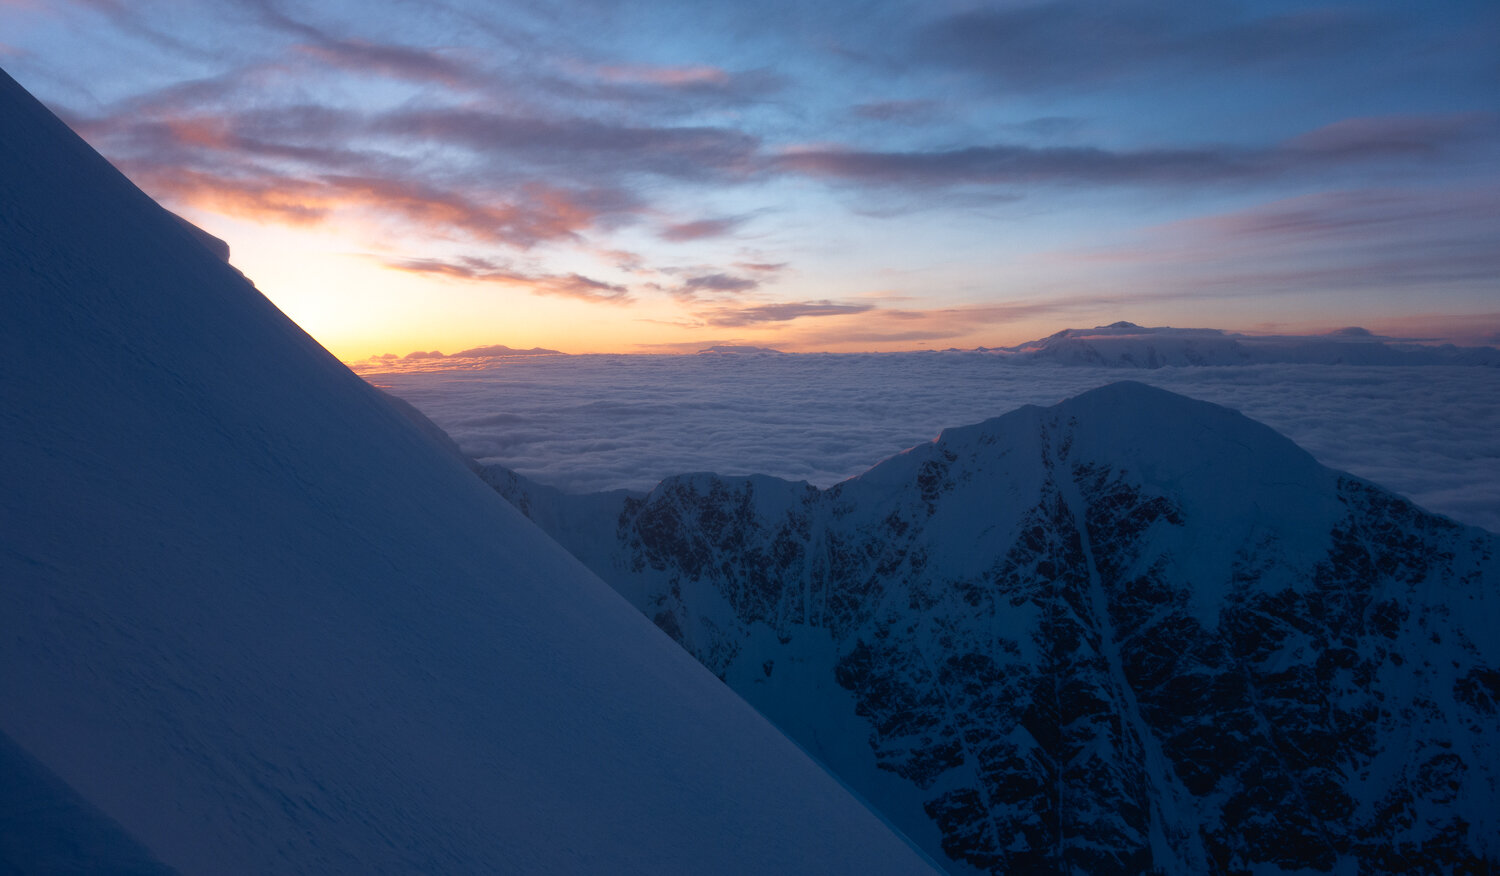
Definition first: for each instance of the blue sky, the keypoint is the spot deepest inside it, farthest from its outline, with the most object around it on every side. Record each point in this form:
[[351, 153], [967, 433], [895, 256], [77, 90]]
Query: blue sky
[[592, 176]]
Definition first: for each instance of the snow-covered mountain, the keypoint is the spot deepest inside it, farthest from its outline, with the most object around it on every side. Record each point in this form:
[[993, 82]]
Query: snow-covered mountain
[[1131, 632], [1126, 345], [255, 620]]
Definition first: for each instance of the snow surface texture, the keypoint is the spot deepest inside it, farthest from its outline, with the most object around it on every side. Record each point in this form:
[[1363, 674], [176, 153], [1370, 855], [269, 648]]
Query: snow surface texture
[[257, 618], [586, 423], [45, 827], [1129, 633]]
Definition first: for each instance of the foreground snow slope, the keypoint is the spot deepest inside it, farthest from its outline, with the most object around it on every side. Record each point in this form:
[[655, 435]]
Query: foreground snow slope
[[260, 620]]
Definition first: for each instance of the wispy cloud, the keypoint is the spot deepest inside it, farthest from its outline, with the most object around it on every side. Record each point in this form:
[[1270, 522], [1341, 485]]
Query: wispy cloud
[[714, 284], [1392, 135], [481, 270], [1072, 43], [1350, 141], [689, 76], [903, 111], [1010, 164], [729, 317], [580, 145], [463, 141], [699, 229], [1417, 242], [401, 62]]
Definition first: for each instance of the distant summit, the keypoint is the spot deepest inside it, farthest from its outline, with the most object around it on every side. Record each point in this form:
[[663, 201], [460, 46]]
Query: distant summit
[[1127, 345], [495, 351], [738, 349], [492, 351]]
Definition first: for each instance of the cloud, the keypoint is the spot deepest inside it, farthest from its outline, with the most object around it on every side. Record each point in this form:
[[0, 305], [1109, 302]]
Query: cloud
[[579, 145], [1076, 43], [1010, 164], [1380, 136], [480, 270], [368, 57], [1361, 242], [1347, 142], [1430, 433], [702, 228], [727, 317], [694, 286], [401, 62], [135, 22], [662, 90], [302, 164], [904, 111], [689, 76]]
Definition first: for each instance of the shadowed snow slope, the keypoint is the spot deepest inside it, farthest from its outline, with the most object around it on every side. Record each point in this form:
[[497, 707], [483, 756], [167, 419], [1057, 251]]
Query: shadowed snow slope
[[260, 620]]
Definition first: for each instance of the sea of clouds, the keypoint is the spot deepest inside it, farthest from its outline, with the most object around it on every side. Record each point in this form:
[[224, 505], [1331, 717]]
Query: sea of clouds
[[588, 423]]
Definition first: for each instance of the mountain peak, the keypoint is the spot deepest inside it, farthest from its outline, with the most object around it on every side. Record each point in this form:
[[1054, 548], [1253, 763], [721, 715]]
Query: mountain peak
[[1222, 655]]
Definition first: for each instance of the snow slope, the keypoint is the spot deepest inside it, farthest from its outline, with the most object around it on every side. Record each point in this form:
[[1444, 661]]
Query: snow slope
[[1131, 632], [45, 827], [256, 617]]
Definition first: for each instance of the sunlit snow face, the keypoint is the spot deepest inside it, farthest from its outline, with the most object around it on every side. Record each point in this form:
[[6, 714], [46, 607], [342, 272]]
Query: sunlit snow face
[[665, 176], [604, 422]]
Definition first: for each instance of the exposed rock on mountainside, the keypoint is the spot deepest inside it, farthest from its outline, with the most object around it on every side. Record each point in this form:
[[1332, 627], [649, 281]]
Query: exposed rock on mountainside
[[1131, 632]]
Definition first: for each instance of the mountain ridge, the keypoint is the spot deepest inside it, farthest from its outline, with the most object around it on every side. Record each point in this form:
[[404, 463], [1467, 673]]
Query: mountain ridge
[[1129, 632], [1127, 345]]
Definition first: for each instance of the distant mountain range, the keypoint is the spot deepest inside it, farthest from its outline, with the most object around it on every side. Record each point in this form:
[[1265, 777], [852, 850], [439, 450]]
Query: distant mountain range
[[1130, 633], [1126, 345], [739, 349]]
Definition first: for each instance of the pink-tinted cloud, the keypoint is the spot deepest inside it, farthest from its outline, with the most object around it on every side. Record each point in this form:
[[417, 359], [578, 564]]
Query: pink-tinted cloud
[[696, 74], [702, 228], [537, 214], [480, 270], [1393, 135], [730, 317], [718, 285], [367, 57], [398, 62], [665, 89]]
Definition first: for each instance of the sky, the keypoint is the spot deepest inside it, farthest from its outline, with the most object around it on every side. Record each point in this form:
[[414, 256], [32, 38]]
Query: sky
[[662, 177]]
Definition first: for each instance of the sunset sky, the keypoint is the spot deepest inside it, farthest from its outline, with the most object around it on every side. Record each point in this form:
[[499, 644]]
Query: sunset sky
[[639, 177]]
